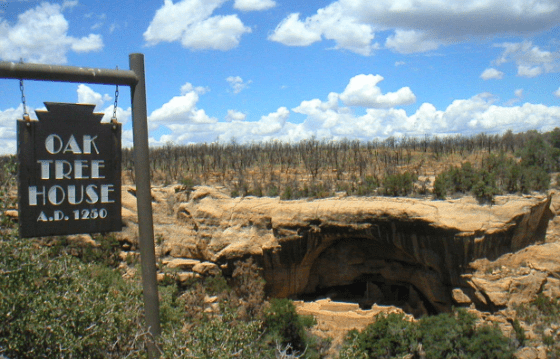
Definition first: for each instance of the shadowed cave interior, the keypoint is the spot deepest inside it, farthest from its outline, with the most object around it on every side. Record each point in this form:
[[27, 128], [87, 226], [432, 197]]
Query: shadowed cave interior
[[366, 271], [367, 290]]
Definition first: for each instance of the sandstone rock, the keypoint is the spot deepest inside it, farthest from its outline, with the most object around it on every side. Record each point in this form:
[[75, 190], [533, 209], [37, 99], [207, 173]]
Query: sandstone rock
[[181, 263], [207, 268], [126, 256], [82, 240], [12, 213], [186, 277], [530, 353], [412, 245], [460, 297]]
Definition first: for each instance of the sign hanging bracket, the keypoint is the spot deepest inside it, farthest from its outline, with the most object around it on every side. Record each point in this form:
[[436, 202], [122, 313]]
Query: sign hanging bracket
[[26, 117]]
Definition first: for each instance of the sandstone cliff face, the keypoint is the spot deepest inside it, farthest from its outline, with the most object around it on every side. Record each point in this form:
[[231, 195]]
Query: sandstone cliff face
[[403, 251]]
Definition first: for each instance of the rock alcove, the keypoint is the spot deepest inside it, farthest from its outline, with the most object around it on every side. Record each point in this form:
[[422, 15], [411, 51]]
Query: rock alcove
[[369, 272], [412, 253]]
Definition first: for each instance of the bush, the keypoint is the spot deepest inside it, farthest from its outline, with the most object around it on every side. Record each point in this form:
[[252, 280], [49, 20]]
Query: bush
[[282, 321], [445, 335], [58, 306], [399, 184]]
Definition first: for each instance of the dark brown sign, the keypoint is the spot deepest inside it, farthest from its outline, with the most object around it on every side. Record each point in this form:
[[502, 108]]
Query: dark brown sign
[[69, 172]]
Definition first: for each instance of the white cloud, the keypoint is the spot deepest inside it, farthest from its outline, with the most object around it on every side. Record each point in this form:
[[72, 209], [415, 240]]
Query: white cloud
[[233, 115], [466, 117], [419, 26], [191, 23], [216, 33], [41, 35], [492, 73], [8, 143], [87, 95], [188, 87], [181, 110], [271, 123], [69, 4], [330, 23], [557, 93], [362, 90], [531, 61], [411, 41], [529, 71], [292, 32], [237, 84], [518, 97], [254, 5]]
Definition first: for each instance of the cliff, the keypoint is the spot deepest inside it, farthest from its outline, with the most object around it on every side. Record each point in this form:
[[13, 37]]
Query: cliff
[[415, 253]]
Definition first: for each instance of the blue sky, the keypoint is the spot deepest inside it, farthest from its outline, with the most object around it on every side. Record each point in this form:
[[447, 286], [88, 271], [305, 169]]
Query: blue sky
[[262, 70]]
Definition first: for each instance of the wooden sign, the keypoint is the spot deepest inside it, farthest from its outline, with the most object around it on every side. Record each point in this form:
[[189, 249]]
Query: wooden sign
[[69, 172]]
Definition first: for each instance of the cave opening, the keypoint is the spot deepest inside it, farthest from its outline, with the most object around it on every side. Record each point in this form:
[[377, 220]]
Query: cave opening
[[367, 290], [367, 271]]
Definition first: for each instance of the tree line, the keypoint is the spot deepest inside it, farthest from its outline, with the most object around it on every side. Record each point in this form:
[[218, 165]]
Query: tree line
[[396, 166]]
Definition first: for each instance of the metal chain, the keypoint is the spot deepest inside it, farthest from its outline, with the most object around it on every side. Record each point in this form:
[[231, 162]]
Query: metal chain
[[114, 118], [21, 88]]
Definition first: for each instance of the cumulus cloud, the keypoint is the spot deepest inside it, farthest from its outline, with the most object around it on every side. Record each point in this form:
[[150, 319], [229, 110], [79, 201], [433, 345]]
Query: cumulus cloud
[[233, 115], [237, 84], [330, 23], [87, 95], [335, 119], [272, 123], [411, 41], [188, 87], [293, 32], [8, 143], [191, 22], [557, 93], [181, 110], [467, 117], [41, 35], [417, 26], [492, 73], [69, 4], [530, 60], [254, 5], [362, 90]]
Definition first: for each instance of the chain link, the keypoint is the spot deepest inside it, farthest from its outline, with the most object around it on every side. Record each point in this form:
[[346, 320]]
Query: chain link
[[114, 118], [21, 88]]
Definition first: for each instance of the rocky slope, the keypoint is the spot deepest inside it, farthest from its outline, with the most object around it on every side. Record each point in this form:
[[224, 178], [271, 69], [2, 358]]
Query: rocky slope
[[414, 253]]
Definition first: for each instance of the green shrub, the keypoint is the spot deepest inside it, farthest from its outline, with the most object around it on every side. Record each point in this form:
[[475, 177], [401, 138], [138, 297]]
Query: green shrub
[[58, 306], [390, 336], [445, 335], [539, 153], [399, 184], [281, 320], [519, 332]]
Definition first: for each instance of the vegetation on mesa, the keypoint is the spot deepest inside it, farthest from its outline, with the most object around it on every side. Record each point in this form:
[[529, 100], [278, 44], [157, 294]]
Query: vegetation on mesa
[[483, 165], [59, 300]]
